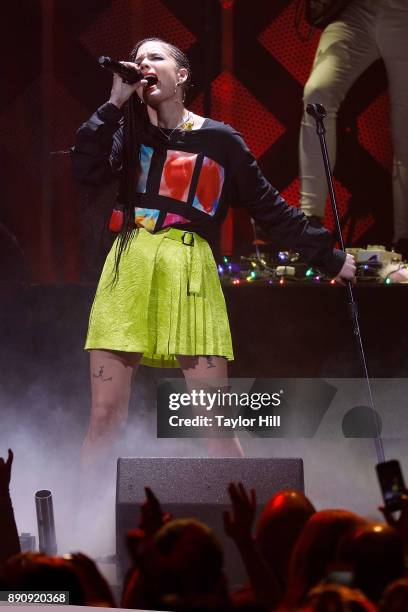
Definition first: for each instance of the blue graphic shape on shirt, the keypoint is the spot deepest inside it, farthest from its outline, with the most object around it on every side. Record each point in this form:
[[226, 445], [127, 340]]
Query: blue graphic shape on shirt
[[146, 154], [146, 217]]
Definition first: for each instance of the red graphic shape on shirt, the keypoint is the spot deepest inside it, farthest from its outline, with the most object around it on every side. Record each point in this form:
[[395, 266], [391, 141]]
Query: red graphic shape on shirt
[[177, 174], [209, 186], [172, 219]]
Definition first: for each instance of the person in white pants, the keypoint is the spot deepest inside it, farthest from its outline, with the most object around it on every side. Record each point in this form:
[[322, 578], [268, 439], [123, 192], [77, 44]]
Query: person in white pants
[[363, 32]]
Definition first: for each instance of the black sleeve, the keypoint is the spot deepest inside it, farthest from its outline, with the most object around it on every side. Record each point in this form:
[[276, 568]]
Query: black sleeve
[[287, 225], [97, 152]]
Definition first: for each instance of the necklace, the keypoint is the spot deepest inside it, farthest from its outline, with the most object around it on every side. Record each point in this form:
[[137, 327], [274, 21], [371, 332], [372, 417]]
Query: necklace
[[185, 124]]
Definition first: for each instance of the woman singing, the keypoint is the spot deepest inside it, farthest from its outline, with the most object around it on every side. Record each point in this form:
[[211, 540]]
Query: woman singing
[[159, 301]]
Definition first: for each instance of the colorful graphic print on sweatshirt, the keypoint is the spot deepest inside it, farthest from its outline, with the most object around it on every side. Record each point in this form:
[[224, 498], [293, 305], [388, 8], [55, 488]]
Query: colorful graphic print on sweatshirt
[[189, 178]]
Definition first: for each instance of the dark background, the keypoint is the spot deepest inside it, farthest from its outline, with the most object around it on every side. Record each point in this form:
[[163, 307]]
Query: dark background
[[250, 63]]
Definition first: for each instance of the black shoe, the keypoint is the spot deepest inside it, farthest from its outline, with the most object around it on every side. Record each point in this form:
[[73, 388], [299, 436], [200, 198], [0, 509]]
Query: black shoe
[[401, 246]]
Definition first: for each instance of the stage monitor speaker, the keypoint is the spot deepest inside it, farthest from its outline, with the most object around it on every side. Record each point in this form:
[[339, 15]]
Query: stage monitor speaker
[[197, 487]]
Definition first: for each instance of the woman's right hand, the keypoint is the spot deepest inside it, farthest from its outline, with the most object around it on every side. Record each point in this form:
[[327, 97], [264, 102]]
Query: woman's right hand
[[122, 91], [348, 271]]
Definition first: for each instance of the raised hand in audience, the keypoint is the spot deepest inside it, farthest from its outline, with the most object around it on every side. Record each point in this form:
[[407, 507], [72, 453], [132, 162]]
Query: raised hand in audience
[[238, 525], [9, 541], [239, 522], [5, 473], [152, 517]]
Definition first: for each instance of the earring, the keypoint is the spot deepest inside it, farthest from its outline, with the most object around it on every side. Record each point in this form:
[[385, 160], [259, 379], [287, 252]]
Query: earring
[[175, 93], [183, 93]]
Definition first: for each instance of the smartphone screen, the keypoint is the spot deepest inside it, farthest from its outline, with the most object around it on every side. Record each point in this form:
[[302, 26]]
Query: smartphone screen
[[391, 483]]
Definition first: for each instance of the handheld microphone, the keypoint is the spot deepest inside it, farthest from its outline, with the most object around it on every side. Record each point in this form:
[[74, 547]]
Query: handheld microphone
[[129, 75]]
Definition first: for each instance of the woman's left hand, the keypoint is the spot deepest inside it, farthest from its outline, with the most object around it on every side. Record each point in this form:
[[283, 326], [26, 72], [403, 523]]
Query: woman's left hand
[[348, 271]]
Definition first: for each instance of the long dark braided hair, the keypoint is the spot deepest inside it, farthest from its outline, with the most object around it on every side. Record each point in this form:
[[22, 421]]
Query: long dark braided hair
[[135, 119]]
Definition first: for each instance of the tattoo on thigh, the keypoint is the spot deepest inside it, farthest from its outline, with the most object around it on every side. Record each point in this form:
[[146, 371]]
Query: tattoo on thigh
[[100, 375], [210, 363]]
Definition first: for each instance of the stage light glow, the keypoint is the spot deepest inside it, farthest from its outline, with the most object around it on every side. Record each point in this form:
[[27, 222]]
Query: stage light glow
[[227, 4]]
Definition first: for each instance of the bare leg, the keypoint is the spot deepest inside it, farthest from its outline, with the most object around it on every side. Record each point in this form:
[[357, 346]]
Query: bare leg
[[197, 370], [111, 375]]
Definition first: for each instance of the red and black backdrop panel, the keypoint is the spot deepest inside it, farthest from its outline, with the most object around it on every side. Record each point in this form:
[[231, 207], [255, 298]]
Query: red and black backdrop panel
[[250, 62]]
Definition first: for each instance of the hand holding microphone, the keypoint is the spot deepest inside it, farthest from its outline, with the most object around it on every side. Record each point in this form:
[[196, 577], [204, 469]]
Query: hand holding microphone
[[127, 78]]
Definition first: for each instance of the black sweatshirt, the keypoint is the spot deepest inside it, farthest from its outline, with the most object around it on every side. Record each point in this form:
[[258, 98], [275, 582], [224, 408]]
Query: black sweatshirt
[[188, 179]]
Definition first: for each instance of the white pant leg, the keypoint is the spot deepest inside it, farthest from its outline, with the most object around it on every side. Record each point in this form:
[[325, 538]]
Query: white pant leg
[[346, 48], [392, 40]]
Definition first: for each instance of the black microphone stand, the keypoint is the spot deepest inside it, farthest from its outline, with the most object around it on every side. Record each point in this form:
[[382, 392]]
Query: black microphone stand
[[318, 112]]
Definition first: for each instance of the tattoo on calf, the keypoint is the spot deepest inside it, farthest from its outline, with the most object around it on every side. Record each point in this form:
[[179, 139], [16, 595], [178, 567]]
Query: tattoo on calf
[[100, 375]]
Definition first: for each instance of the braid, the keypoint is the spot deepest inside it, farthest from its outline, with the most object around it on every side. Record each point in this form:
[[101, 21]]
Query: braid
[[135, 117]]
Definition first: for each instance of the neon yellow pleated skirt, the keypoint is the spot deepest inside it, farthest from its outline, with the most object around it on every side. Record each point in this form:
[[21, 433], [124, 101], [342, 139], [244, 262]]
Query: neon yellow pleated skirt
[[167, 300]]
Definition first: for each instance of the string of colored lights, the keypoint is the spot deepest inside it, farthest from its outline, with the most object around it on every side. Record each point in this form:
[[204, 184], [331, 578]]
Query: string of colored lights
[[258, 270]]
